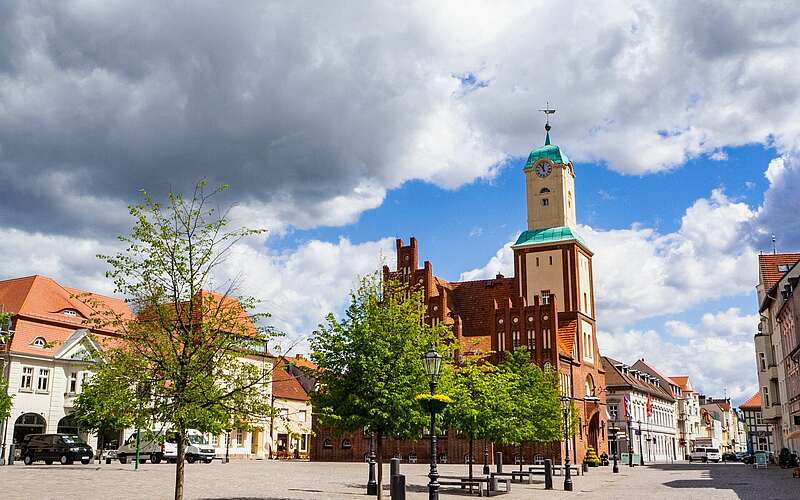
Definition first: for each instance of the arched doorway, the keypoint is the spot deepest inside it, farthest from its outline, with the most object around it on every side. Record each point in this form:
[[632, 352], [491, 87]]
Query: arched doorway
[[68, 425], [594, 429], [28, 423]]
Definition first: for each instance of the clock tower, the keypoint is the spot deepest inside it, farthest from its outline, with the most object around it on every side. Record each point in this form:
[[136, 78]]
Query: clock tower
[[550, 183]]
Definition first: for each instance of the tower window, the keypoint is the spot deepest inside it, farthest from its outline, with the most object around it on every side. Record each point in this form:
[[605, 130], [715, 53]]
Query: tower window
[[537, 261], [551, 260], [544, 190], [545, 296], [545, 202]]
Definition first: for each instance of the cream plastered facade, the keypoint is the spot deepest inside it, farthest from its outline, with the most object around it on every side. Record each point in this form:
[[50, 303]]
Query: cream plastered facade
[[558, 189], [291, 427], [546, 273]]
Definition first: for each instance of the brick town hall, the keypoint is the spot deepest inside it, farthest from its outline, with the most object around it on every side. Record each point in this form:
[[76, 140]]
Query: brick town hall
[[548, 306]]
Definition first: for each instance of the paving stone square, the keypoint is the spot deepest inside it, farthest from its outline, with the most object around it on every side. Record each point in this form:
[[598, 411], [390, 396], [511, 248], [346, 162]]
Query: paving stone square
[[273, 480]]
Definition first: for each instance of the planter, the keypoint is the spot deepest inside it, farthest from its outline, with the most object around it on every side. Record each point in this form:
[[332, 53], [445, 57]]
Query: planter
[[435, 403]]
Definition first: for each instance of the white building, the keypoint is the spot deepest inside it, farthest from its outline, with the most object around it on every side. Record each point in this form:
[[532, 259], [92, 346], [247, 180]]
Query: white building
[[688, 415], [774, 271], [651, 423], [44, 355]]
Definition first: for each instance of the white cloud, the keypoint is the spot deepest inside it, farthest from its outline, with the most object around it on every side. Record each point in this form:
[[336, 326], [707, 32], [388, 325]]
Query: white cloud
[[778, 213], [717, 353], [300, 287], [312, 112], [640, 273], [297, 287]]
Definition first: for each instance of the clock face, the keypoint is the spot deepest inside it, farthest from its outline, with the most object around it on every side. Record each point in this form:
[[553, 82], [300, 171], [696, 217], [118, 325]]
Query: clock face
[[543, 168]]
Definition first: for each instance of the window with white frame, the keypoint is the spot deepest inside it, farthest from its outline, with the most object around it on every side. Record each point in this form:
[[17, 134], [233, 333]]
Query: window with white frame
[[303, 442], [283, 413], [38, 342], [762, 361], [26, 384], [765, 390], [613, 411], [545, 296], [73, 382], [302, 415], [43, 382]]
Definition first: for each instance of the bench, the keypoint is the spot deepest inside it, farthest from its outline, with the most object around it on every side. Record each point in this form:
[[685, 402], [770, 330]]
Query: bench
[[557, 469], [516, 475], [463, 482]]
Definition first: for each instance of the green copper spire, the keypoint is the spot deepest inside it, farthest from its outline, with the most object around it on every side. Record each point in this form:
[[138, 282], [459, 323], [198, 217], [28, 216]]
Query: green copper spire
[[547, 137]]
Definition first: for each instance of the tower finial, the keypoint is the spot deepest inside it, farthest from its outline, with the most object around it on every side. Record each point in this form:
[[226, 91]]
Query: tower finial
[[547, 112], [774, 246]]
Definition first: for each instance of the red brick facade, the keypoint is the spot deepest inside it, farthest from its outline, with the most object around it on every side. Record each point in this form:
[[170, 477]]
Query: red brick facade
[[494, 316]]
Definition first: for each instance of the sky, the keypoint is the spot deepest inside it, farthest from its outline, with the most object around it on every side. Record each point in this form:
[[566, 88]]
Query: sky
[[341, 126]]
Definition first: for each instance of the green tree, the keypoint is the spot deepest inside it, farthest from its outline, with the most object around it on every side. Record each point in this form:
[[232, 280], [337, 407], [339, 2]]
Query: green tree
[[480, 401], [535, 412], [6, 400], [108, 399], [370, 363], [191, 358]]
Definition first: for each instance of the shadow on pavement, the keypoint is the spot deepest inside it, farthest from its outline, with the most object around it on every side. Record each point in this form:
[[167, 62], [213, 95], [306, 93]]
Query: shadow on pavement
[[748, 483]]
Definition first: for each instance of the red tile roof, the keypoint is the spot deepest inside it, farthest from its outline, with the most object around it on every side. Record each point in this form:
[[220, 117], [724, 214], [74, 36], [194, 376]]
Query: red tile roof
[[754, 403], [39, 303], [682, 381], [566, 336], [286, 386], [768, 267]]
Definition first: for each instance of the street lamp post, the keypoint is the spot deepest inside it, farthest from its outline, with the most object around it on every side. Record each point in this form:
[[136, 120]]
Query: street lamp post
[[433, 363], [372, 484], [614, 431], [565, 403], [641, 454], [630, 443]]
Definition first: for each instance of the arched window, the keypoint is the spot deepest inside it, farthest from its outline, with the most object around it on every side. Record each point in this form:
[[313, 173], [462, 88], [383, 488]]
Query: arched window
[[38, 342], [327, 443], [346, 444], [589, 386], [544, 190]]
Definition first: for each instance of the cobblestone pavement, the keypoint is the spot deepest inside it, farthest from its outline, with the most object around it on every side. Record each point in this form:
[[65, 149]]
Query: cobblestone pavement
[[267, 480]]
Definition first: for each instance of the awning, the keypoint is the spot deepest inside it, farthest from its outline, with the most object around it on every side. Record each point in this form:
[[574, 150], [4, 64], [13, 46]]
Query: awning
[[794, 435]]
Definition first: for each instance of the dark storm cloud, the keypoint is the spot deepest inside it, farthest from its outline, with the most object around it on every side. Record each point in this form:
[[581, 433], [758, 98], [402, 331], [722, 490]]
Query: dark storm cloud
[[102, 100]]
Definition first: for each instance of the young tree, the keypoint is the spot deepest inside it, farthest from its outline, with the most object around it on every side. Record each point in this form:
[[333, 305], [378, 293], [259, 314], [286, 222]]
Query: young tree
[[370, 363], [535, 414], [6, 400], [191, 358], [480, 401]]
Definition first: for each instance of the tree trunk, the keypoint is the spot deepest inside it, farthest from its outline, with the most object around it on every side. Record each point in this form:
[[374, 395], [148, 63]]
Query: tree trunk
[[471, 439], [379, 452], [180, 464]]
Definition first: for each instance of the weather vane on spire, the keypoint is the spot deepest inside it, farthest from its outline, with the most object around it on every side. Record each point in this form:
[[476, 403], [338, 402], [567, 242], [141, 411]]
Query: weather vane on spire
[[547, 112]]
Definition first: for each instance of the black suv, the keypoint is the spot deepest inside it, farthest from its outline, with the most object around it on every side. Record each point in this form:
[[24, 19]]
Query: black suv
[[64, 448]]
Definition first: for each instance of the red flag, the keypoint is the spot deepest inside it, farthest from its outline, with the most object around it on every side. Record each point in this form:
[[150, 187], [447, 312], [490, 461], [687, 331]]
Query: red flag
[[649, 406]]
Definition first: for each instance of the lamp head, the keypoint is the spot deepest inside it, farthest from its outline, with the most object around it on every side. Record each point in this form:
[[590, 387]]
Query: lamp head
[[433, 363]]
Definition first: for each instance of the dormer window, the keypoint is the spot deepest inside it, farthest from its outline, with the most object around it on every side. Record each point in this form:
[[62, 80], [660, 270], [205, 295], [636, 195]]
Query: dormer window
[[38, 342], [783, 268], [70, 312]]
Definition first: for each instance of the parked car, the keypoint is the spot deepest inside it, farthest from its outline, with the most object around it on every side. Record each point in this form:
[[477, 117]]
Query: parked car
[[740, 455], [64, 448], [704, 454], [729, 457]]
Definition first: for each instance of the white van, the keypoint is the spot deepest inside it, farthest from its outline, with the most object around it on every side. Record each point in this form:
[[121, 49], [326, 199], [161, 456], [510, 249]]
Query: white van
[[160, 446], [704, 454]]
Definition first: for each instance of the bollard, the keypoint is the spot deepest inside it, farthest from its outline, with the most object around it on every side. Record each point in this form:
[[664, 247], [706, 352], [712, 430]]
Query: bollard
[[585, 467], [548, 474], [394, 467], [498, 460], [11, 452], [397, 487]]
